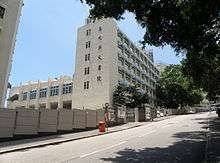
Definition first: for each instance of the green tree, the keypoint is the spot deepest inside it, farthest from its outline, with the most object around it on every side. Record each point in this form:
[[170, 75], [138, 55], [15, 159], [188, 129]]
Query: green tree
[[129, 96], [191, 27], [119, 95], [174, 89]]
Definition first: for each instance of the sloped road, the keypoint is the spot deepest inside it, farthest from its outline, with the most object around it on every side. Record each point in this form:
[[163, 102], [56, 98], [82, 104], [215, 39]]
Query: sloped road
[[177, 140]]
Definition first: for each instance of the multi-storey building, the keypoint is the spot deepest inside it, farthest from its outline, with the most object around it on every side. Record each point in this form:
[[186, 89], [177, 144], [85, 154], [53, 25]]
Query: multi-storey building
[[104, 57], [10, 11], [51, 94]]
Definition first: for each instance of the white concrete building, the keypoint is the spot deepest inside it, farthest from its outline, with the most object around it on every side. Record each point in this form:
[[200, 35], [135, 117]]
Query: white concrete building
[[104, 57], [51, 94], [10, 11]]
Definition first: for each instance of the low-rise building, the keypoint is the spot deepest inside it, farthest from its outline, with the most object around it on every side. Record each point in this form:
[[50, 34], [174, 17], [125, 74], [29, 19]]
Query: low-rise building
[[51, 94]]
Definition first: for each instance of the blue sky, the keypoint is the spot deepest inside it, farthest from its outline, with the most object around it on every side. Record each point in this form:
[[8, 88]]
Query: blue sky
[[46, 39]]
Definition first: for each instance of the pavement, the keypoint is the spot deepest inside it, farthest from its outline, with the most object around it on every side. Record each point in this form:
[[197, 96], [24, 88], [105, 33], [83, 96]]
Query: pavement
[[24, 144], [180, 139], [213, 139]]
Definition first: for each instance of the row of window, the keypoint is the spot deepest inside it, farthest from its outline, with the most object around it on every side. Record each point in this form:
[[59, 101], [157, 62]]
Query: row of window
[[134, 50], [88, 45], [89, 31], [142, 78], [86, 70], [135, 67], [87, 57], [54, 91]]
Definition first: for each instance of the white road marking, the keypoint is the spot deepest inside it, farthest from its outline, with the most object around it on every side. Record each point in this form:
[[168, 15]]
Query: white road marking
[[147, 133], [104, 149]]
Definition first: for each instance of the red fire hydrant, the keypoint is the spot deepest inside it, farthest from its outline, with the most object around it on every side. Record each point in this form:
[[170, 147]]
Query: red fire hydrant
[[101, 126]]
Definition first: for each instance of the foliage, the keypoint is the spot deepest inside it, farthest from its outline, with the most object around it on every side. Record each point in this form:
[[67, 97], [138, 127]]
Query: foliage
[[129, 96], [189, 26], [174, 89]]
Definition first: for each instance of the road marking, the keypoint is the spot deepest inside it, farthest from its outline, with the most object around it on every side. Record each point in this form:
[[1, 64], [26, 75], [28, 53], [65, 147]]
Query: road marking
[[147, 134], [104, 149]]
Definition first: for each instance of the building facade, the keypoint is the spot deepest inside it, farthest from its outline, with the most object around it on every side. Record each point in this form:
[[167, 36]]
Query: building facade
[[104, 57], [10, 11], [51, 94]]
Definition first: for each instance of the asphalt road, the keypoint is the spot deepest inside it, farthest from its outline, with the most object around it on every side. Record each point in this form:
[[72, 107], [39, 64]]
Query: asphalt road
[[177, 140]]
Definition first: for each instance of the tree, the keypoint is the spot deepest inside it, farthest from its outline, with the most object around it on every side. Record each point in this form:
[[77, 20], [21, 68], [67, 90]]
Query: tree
[[119, 95], [129, 96], [191, 27], [174, 89]]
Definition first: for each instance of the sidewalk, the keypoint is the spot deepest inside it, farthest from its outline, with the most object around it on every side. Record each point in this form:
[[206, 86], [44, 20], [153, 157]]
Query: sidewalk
[[213, 140], [17, 145]]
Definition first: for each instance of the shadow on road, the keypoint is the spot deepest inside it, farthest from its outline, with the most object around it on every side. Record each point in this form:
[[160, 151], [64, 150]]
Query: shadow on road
[[214, 141], [190, 148]]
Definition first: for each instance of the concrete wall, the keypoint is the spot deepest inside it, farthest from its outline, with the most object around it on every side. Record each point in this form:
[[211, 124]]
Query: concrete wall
[[99, 92], [65, 120], [79, 119], [91, 121], [24, 121], [27, 122], [7, 123], [48, 120]]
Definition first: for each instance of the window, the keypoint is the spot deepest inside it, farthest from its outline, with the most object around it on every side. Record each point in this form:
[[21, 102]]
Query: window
[[88, 32], [99, 67], [99, 57], [86, 85], [100, 37], [100, 47], [24, 96], [87, 57], [67, 88], [2, 12], [100, 29], [43, 93], [54, 90], [86, 71], [99, 78], [33, 94], [88, 44]]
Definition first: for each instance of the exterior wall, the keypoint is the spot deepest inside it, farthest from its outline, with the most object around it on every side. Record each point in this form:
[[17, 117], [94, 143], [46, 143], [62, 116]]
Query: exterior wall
[[99, 92], [40, 102], [8, 30], [113, 71], [32, 122], [7, 123]]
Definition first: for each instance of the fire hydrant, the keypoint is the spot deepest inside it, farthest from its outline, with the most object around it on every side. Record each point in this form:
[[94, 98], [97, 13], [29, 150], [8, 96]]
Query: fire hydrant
[[101, 126]]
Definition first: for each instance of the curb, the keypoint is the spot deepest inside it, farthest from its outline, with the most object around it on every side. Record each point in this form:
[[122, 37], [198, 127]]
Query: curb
[[64, 141]]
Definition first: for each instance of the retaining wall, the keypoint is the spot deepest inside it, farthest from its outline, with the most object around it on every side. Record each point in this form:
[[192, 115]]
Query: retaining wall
[[79, 119], [26, 122], [65, 120], [48, 120], [7, 123]]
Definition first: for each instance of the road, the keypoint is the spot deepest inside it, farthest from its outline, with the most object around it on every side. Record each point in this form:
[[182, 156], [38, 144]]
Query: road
[[179, 139]]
